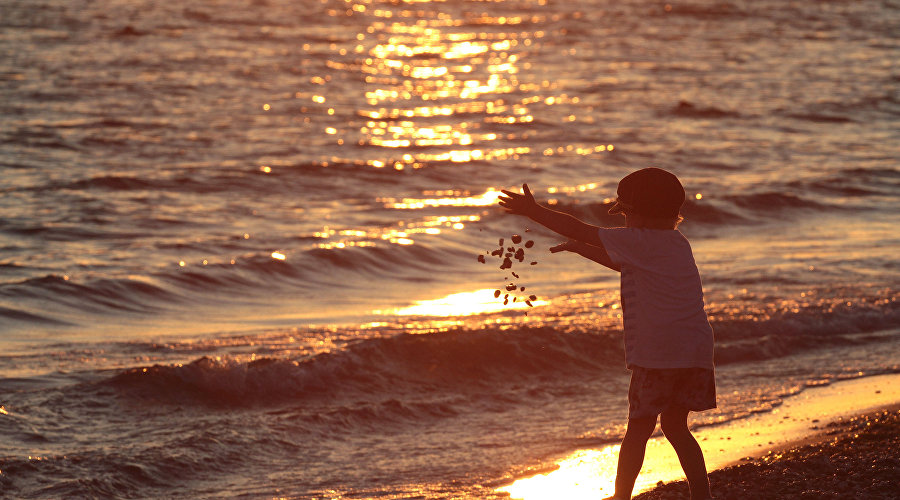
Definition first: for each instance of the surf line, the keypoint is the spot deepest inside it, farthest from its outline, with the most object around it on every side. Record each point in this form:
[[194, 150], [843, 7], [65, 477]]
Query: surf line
[[802, 417]]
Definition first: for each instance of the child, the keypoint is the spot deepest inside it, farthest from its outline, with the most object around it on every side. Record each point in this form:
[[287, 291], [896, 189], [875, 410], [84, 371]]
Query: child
[[668, 339]]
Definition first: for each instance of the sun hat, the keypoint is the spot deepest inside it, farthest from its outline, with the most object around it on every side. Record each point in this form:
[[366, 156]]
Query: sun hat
[[651, 192]]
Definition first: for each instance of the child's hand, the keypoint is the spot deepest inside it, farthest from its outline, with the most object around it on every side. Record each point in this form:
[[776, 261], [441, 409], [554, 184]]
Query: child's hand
[[519, 204], [569, 246]]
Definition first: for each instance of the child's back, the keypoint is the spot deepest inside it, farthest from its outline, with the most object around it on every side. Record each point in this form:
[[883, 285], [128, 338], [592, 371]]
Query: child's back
[[662, 298]]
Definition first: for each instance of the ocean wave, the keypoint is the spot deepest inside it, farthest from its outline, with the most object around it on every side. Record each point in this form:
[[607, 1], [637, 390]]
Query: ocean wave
[[134, 183], [243, 180], [44, 138], [65, 232], [707, 10], [415, 367], [845, 185], [213, 283], [143, 472], [821, 117], [772, 201], [711, 214], [690, 110], [874, 173], [100, 296], [834, 322], [114, 183], [859, 109], [229, 19], [457, 361], [7, 314]]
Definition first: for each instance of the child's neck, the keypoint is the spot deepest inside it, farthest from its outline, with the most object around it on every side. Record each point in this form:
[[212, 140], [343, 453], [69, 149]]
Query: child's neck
[[641, 222]]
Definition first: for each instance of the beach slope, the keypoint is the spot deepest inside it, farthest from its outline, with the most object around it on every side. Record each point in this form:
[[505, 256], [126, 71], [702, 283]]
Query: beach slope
[[857, 458], [795, 441]]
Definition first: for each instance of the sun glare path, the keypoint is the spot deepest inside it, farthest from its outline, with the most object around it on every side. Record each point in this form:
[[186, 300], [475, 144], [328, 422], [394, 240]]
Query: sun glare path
[[585, 475], [462, 304], [442, 84], [426, 64], [489, 198], [443, 71], [402, 233], [591, 474]]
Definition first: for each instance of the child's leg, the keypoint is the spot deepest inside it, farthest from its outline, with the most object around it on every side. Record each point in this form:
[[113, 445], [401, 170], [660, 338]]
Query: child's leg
[[673, 422], [631, 454]]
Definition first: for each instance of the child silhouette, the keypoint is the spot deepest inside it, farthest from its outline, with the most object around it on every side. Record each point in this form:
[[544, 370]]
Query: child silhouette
[[668, 339]]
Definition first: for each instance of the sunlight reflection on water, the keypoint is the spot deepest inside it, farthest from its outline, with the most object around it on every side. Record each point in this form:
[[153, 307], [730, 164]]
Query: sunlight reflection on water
[[463, 304], [428, 72], [586, 474], [591, 473]]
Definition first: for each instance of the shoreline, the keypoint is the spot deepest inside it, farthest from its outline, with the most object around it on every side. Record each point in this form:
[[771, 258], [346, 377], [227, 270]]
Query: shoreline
[[853, 458], [804, 420]]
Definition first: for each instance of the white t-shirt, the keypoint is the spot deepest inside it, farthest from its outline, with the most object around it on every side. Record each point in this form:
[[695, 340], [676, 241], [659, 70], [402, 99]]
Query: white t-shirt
[[662, 299]]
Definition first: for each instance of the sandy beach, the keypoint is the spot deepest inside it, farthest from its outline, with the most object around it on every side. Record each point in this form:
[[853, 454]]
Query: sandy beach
[[854, 458], [829, 441]]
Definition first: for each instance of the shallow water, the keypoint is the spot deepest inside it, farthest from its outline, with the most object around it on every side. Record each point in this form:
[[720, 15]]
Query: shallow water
[[275, 210]]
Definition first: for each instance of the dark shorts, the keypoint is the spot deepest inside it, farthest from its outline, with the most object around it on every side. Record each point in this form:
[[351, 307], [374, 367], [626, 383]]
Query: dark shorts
[[653, 390]]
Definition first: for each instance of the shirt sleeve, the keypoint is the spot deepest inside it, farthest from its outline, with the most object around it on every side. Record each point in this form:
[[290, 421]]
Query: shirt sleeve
[[621, 243]]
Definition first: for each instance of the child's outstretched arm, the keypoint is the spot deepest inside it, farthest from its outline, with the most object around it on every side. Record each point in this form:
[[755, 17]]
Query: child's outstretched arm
[[596, 254], [562, 223]]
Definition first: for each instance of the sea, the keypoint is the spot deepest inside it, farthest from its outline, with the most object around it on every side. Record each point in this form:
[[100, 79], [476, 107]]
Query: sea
[[241, 241]]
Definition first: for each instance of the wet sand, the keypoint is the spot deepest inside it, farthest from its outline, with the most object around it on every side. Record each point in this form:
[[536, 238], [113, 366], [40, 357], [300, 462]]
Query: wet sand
[[854, 458], [776, 454]]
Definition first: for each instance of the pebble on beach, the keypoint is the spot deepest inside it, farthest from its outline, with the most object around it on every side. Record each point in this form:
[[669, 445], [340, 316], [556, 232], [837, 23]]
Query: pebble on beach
[[857, 459]]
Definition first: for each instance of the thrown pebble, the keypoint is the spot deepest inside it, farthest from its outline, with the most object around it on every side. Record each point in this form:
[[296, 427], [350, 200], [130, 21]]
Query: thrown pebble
[[507, 254], [520, 255]]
